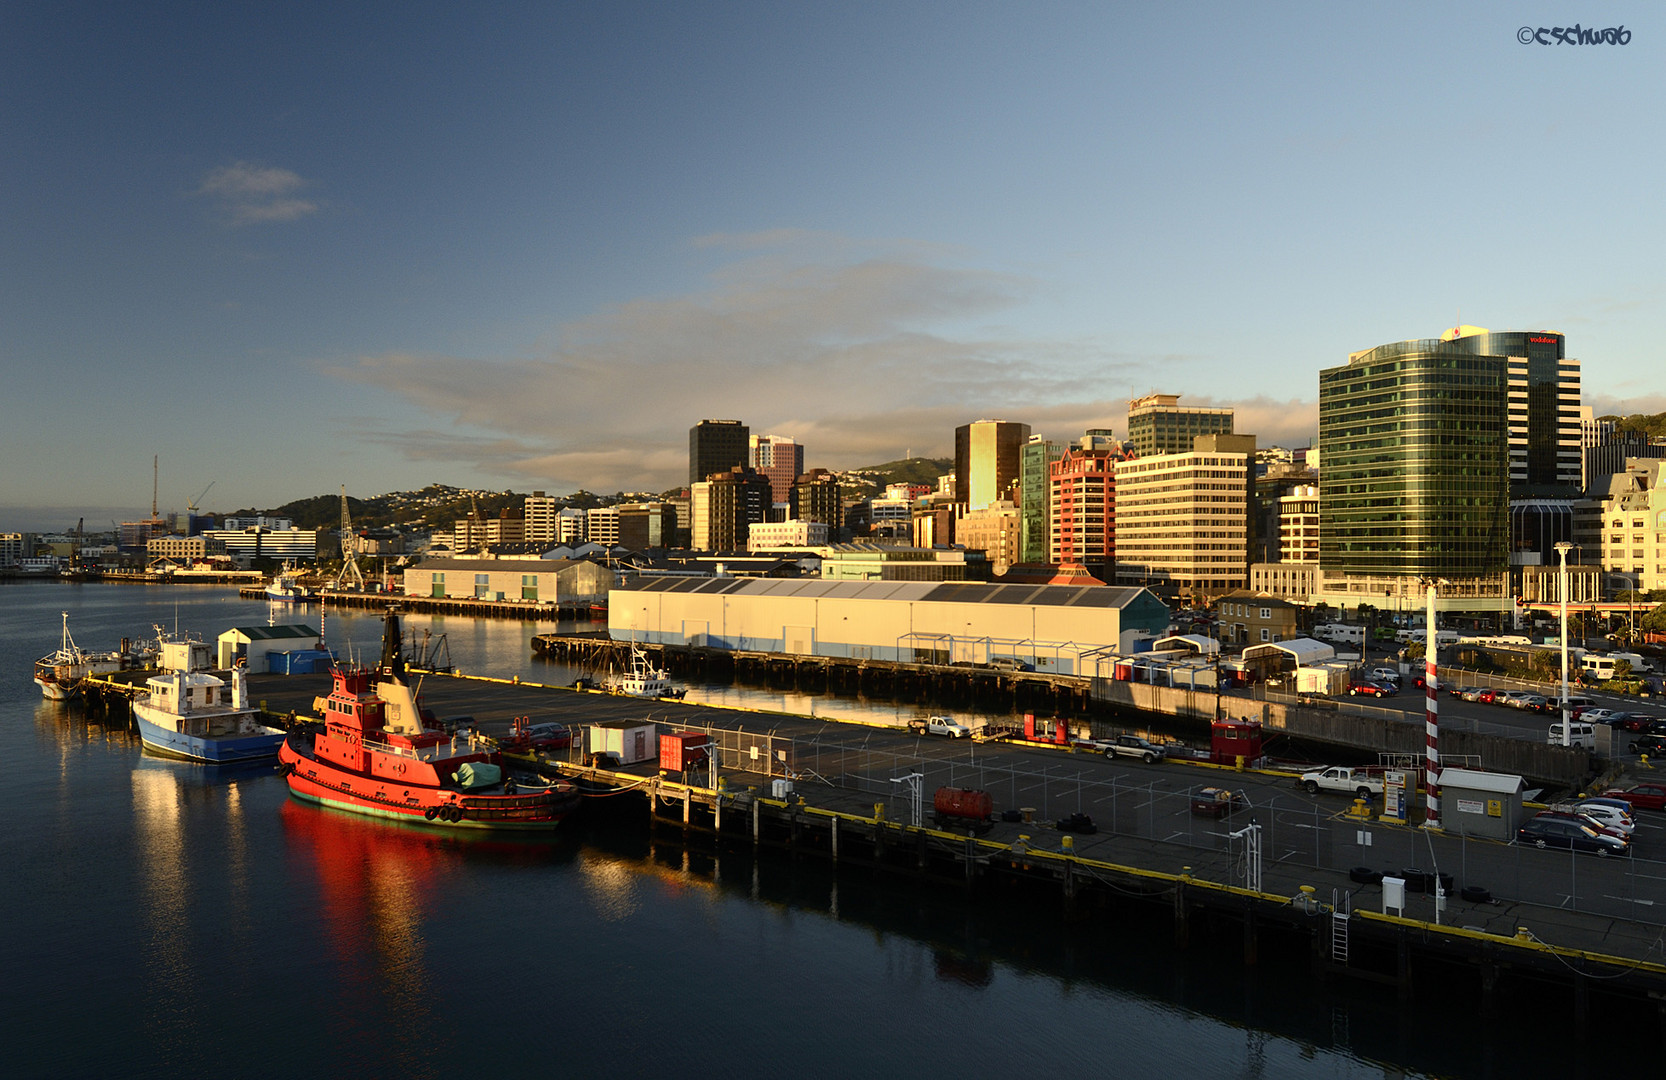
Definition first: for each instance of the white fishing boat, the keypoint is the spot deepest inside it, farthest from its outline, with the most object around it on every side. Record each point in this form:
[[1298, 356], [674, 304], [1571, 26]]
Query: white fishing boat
[[643, 680], [286, 588], [59, 674]]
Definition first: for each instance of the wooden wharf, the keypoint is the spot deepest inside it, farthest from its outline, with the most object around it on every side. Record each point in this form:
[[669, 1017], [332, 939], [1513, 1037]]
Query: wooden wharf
[[523, 610], [812, 787]]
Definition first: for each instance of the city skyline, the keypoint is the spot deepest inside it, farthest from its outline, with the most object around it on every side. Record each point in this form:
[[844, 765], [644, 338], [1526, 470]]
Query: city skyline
[[526, 247]]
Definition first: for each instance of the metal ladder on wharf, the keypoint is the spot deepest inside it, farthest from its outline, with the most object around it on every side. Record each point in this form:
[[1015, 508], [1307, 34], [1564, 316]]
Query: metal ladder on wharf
[[1340, 909]]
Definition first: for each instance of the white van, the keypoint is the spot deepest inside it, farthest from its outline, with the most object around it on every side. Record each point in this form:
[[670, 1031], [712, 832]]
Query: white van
[[1584, 735]]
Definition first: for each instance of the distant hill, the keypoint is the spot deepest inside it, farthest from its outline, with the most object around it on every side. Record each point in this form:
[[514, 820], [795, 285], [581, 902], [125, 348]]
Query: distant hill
[[1650, 425], [916, 470], [439, 506]]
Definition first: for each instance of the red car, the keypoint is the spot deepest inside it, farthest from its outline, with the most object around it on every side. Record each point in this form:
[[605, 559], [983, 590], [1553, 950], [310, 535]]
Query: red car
[[1643, 796]]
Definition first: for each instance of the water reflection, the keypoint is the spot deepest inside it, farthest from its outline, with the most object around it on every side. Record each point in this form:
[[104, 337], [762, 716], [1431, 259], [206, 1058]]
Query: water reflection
[[192, 854], [379, 885]]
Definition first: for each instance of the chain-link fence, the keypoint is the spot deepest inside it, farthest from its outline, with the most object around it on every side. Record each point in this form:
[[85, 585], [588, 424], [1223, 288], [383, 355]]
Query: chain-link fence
[[1297, 831]]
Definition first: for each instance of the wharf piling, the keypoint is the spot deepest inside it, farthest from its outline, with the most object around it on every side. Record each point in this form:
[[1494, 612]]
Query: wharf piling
[[1038, 692]]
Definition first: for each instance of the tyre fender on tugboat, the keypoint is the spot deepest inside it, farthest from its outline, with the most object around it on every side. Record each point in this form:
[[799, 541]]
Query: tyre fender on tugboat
[[431, 812]]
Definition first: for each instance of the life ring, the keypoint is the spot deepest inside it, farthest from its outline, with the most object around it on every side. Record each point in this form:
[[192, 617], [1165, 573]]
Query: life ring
[[431, 812]]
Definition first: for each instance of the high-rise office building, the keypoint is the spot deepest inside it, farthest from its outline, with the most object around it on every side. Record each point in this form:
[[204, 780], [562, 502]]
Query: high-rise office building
[[647, 525], [715, 446], [816, 497], [540, 512], [1158, 425], [986, 458], [1415, 438], [778, 459], [1082, 504], [1298, 525], [601, 525], [1182, 520], [1034, 493], [724, 508], [1544, 413]]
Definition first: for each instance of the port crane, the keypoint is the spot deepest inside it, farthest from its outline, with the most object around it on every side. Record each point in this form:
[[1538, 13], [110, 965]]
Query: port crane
[[349, 576], [191, 507]]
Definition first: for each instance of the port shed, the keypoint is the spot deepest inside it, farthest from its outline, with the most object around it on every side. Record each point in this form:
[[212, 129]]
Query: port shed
[[1485, 804], [632, 740], [254, 644]]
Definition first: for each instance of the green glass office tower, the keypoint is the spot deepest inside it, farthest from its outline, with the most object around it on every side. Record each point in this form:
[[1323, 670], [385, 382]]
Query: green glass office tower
[[1034, 528], [1414, 444]]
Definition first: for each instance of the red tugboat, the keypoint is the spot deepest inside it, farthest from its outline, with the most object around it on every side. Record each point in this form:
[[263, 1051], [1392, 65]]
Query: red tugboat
[[377, 753]]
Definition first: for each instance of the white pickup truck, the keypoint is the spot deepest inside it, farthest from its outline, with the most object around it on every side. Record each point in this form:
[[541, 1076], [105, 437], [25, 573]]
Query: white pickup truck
[[1340, 778], [939, 725], [1124, 746]]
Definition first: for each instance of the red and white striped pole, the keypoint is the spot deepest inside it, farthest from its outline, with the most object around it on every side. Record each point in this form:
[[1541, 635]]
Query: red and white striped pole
[[1431, 720]]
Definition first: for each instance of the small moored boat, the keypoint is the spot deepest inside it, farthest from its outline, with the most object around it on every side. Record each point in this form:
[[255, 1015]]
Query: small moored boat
[[201, 717], [643, 680], [59, 674]]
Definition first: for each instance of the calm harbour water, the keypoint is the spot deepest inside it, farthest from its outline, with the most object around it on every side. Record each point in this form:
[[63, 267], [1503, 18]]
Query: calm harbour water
[[167, 919]]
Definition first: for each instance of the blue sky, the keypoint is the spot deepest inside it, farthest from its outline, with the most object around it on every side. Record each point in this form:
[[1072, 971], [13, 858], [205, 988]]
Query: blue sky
[[291, 247]]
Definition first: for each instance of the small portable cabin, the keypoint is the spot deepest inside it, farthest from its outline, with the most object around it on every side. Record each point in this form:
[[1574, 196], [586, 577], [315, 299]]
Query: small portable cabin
[[631, 740], [1474, 803]]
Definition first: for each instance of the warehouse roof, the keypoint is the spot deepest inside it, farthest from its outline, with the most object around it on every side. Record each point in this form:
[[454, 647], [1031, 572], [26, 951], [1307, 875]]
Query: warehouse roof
[[1305, 651], [947, 592], [268, 633], [508, 566]]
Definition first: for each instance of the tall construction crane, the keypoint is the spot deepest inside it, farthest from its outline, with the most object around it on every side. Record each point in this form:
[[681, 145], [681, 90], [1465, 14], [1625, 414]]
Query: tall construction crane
[[191, 507], [349, 575], [477, 526]]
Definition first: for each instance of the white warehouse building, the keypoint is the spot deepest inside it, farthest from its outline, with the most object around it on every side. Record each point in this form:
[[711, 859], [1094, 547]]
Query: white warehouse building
[[543, 581], [1048, 626]]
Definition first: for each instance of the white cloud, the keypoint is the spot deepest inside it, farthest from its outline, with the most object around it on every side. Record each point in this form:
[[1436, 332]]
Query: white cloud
[[861, 358], [247, 194]]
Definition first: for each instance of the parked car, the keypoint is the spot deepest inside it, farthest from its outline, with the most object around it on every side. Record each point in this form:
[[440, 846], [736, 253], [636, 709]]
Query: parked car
[[1644, 796], [1607, 815], [1586, 820], [1216, 802], [1596, 716], [1547, 832], [1648, 744], [1367, 687], [1487, 696], [1473, 693], [1512, 698], [1531, 702], [1608, 800], [1384, 675], [1625, 721]]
